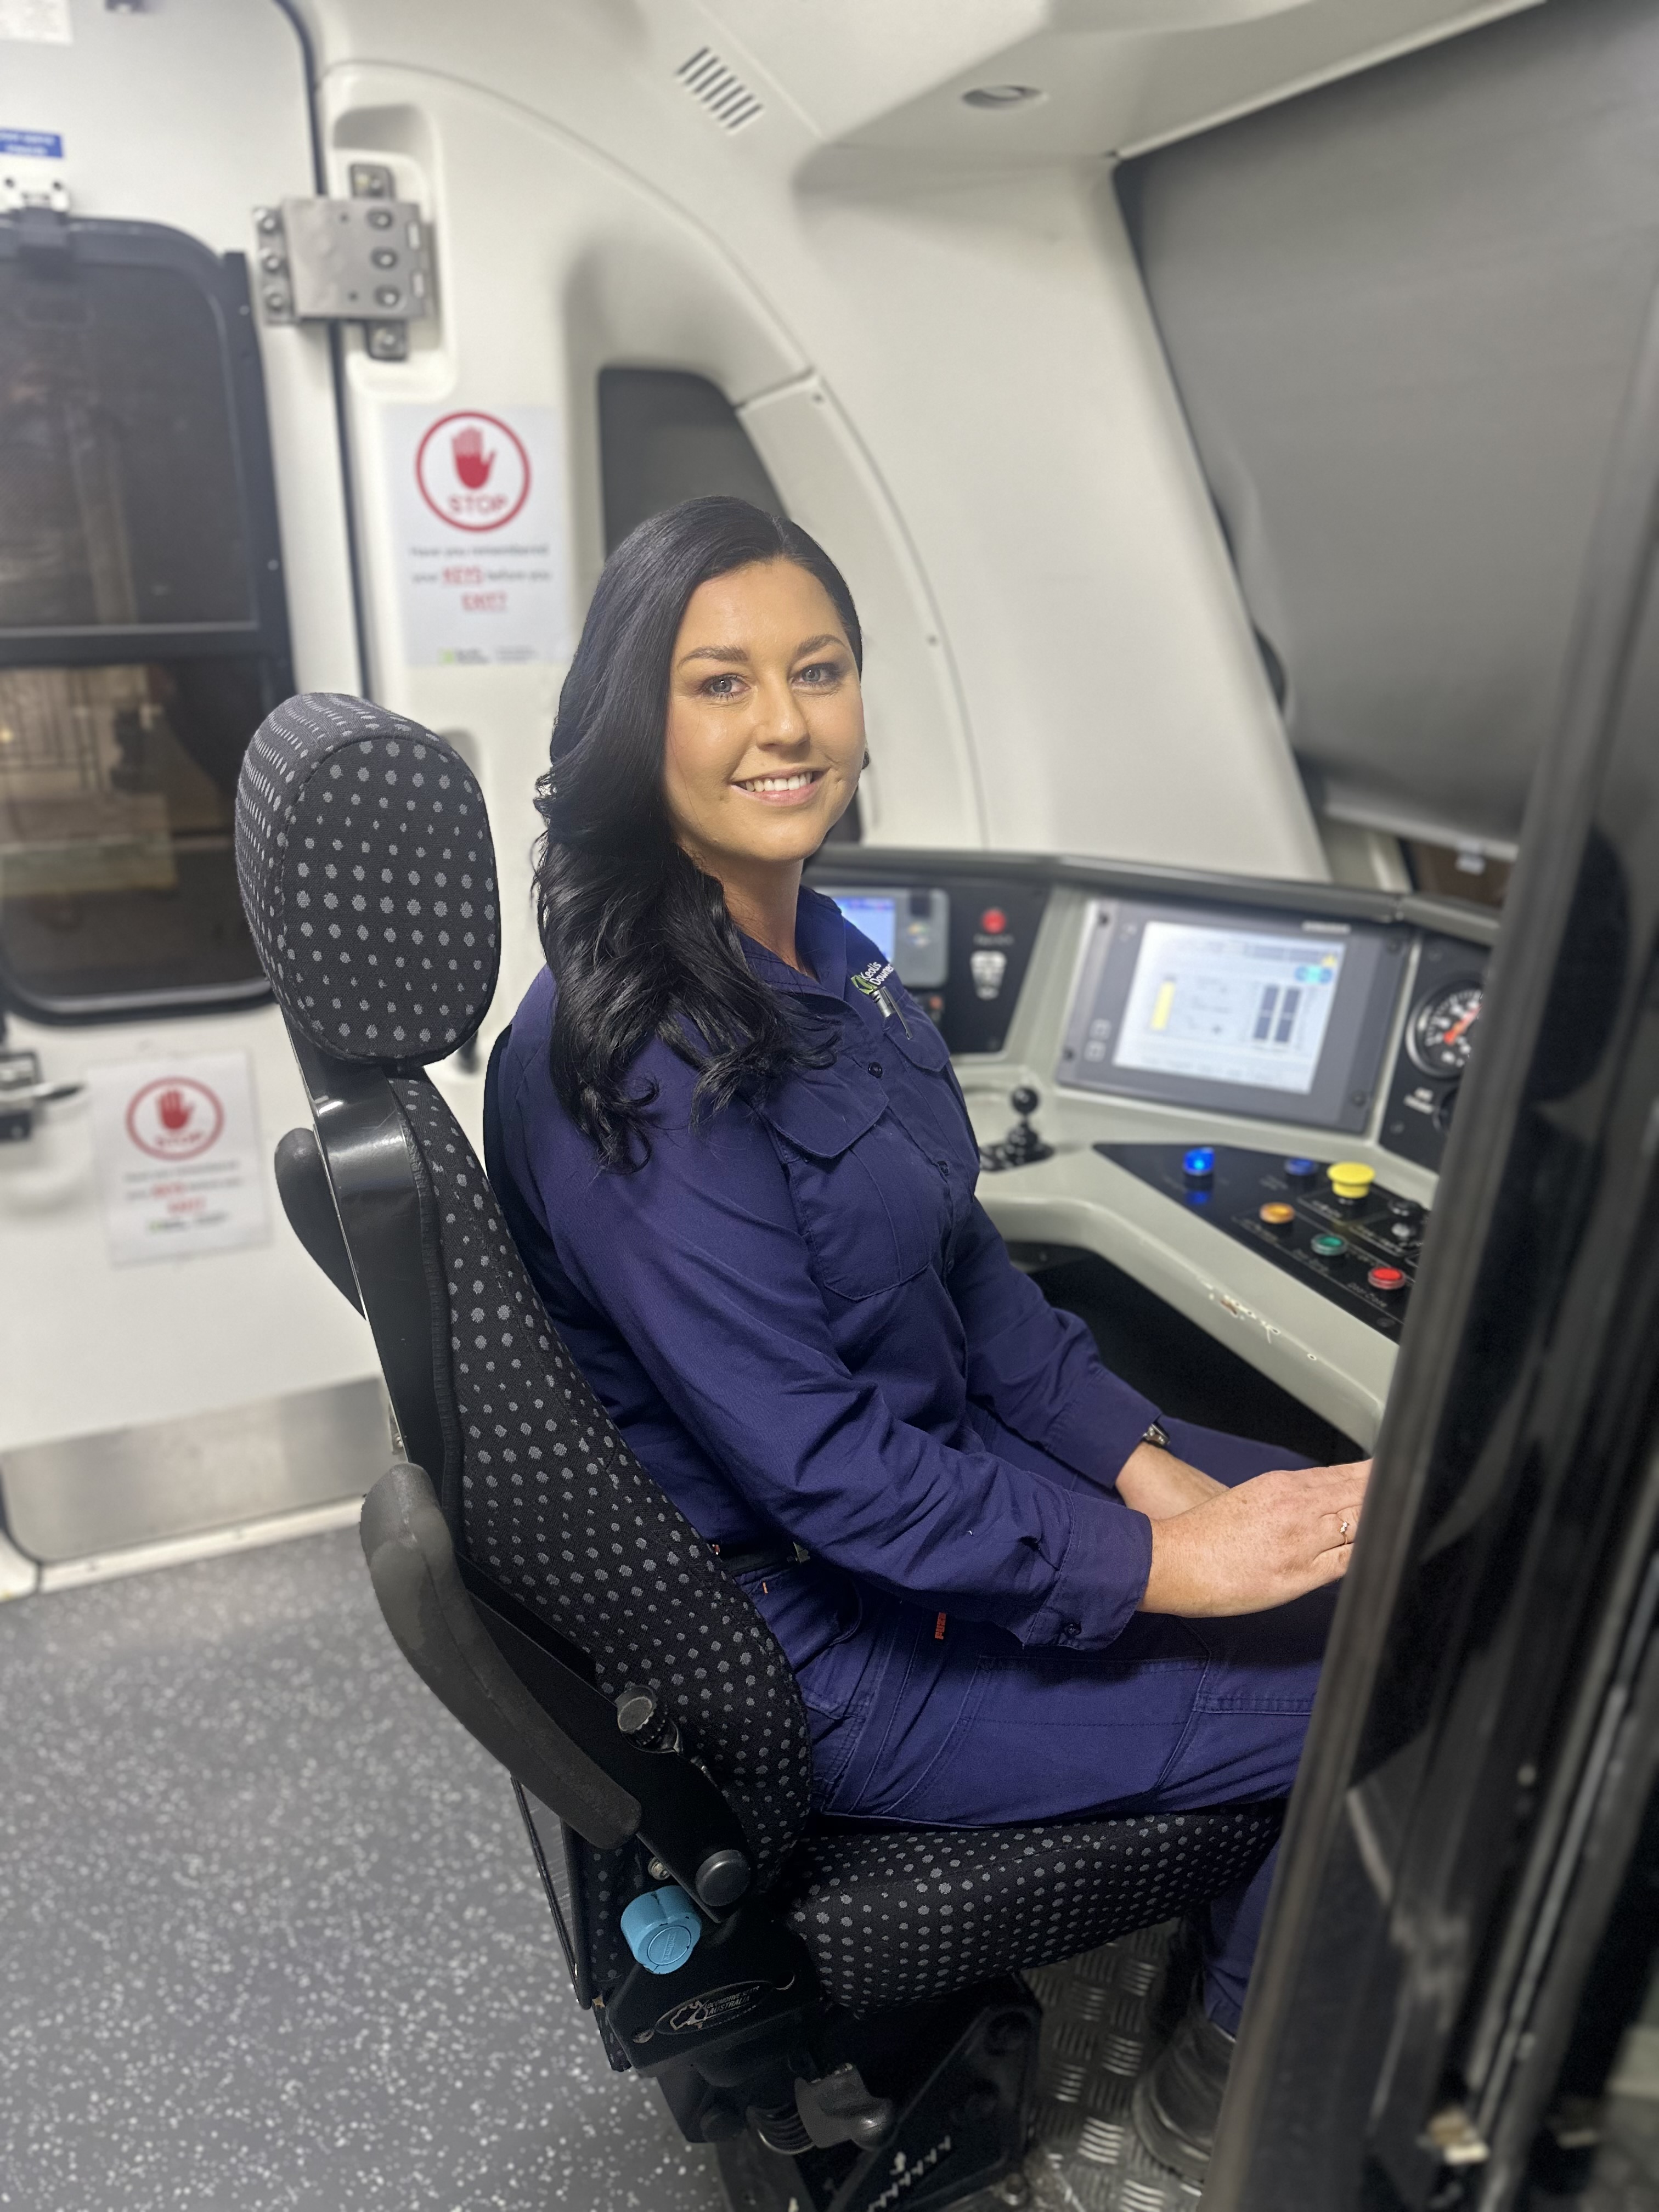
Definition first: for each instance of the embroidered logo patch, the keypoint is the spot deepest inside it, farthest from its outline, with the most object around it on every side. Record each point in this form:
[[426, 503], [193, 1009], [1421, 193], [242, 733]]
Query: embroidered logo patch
[[872, 982]]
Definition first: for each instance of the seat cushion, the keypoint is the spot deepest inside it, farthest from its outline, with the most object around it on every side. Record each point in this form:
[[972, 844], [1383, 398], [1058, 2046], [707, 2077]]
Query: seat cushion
[[894, 1917]]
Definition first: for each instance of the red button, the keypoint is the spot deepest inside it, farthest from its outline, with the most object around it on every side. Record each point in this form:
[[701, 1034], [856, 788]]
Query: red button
[[993, 921], [1386, 1278]]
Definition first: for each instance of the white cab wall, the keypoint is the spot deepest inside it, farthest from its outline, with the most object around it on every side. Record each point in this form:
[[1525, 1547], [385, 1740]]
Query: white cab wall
[[953, 379], [187, 115]]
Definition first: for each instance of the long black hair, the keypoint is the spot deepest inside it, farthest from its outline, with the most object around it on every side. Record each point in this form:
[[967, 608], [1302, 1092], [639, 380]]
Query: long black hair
[[636, 934]]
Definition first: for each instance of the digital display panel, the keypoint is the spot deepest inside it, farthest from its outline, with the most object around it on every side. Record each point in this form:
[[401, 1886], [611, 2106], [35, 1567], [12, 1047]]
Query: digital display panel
[[1283, 1017], [1231, 1006], [875, 916]]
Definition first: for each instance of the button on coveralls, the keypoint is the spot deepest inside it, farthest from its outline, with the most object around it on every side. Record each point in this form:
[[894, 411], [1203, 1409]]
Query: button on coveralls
[[803, 1321]]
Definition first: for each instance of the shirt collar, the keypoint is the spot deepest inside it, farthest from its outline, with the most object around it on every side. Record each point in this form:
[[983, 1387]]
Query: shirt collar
[[820, 941]]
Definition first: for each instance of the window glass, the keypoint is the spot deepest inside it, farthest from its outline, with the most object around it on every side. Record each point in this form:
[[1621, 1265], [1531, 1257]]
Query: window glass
[[117, 874], [666, 436], [120, 495]]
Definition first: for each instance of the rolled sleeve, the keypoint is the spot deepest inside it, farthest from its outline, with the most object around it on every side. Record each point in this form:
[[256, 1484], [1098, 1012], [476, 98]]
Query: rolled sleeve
[[1102, 1578]]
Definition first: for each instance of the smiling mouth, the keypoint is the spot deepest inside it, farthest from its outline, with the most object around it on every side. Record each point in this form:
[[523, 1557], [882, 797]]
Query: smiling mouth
[[792, 785]]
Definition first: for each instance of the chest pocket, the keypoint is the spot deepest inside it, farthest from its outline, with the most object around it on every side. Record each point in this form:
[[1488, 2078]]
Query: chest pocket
[[932, 1107], [873, 1209]]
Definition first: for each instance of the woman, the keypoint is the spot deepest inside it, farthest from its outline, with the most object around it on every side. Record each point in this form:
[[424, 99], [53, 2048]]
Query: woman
[[734, 1155]]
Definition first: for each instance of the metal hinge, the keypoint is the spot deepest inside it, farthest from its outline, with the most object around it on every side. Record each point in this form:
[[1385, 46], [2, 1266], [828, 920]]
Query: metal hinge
[[368, 261]]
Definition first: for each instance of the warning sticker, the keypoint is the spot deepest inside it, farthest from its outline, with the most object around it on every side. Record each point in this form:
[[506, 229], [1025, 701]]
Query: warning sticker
[[177, 1144], [477, 501]]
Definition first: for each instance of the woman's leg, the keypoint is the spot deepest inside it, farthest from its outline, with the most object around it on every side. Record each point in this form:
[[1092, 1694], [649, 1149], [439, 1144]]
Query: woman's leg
[[970, 1729]]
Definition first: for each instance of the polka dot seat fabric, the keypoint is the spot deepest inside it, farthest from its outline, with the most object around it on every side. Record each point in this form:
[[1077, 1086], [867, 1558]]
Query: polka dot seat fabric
[[559, 1512], [893, 1919], [368, 879]]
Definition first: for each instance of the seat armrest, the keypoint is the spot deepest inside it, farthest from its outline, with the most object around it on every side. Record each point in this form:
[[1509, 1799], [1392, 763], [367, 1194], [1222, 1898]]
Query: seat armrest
[[411, 1564]]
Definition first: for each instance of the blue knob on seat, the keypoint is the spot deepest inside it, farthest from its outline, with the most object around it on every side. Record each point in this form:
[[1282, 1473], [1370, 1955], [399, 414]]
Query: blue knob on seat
[[661, 1929]]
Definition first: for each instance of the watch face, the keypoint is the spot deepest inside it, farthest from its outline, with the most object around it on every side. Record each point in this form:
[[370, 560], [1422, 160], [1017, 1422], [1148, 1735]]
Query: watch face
[[1441, 1033]]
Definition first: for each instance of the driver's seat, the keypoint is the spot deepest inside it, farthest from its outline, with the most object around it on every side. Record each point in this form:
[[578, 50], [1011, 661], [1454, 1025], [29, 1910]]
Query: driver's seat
[[831, 2007]]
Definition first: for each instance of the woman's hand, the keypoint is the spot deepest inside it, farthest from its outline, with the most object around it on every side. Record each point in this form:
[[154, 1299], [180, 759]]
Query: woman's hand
[[1268, 1541]]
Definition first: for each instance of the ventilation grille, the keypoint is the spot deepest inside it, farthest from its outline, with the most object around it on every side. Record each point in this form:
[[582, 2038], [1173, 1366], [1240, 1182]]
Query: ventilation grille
[[725, 96]]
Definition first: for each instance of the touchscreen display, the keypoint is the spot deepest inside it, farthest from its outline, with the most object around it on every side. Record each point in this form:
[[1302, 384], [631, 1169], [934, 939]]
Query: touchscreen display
[[876, 916], [1228, 1005]]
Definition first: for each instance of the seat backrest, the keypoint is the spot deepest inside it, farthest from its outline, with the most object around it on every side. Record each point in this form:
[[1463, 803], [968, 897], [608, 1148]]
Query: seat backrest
[[368, 874]]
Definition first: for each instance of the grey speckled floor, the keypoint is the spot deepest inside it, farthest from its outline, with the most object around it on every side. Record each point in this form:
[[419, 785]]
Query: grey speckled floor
[[270, 1932]]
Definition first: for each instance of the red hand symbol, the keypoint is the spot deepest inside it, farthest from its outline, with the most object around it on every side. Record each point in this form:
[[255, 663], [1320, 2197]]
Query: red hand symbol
[[472, 464], [174, 1108]]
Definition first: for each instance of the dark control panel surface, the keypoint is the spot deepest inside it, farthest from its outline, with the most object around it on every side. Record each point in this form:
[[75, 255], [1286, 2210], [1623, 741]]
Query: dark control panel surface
[[961, 944], [1440, 1035], [1328, 1222]]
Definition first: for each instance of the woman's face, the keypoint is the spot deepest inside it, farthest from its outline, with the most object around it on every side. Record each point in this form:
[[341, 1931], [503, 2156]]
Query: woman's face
[[765, 735]]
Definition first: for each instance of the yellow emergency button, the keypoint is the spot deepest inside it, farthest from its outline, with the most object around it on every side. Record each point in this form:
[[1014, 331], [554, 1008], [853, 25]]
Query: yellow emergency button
[[1351, 1180]]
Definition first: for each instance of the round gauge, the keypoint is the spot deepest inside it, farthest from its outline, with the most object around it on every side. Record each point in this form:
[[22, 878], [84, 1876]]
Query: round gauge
[[1441, 1034]]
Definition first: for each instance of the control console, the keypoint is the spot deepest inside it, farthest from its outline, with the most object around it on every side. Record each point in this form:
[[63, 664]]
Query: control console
[[1331, 1223]]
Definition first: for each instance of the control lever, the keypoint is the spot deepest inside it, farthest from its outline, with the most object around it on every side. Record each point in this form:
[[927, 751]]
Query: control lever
[[1023, 1144]]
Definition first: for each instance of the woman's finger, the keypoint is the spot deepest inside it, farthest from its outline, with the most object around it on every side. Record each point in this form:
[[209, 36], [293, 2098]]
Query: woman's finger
[[1341, 1527]]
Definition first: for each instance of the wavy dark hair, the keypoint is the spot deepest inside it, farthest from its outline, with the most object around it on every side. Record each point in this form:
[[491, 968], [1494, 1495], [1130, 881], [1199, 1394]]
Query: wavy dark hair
[[636, 934]]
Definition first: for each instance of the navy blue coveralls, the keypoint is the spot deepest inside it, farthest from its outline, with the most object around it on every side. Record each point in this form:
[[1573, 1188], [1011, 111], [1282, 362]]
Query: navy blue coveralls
[[805, 1324]]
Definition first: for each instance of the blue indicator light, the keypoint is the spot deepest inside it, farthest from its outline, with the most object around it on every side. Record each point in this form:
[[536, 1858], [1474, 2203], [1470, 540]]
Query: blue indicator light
[[661, 1929], [1300, 1167], [1200, 1161]]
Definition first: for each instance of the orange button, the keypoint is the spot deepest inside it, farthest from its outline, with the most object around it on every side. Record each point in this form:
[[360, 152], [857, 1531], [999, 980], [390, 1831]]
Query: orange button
[[1278, 1215]]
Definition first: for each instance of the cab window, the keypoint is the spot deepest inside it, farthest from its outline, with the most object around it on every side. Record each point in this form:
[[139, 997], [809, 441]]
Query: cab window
[[142, 628]]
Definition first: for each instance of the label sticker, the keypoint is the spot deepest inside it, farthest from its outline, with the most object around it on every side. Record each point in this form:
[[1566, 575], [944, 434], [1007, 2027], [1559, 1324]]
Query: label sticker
[[477, 502], [32, 145], [45, 21], [180, 1167]]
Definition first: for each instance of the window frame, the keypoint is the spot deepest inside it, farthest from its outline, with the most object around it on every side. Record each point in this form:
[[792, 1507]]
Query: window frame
[[222, 280]]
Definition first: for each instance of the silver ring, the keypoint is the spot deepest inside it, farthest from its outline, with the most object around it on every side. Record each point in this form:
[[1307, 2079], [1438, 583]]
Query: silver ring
[[1343, 1532]]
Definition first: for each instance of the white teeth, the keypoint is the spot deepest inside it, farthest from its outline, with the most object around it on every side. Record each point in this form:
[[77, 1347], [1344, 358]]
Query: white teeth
[[797, 783]]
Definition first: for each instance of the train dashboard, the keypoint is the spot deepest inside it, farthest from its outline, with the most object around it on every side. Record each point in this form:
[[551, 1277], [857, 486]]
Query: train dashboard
[[1244, 1086]]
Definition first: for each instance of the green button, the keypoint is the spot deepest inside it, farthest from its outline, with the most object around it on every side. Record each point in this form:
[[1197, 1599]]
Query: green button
[[1328, 1247]]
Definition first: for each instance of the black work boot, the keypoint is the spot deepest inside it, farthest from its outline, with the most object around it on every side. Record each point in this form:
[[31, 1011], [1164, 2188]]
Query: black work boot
[[1177, 2100]]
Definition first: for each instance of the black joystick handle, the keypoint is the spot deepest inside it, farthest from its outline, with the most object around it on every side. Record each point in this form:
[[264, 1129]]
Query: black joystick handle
[[1023, 1145]]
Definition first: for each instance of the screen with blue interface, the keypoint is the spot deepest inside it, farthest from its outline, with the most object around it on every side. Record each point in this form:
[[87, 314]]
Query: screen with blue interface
[[877, 917], [1230, 1004]]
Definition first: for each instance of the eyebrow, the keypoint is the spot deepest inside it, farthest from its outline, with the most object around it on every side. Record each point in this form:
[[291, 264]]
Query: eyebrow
[[735, 653]]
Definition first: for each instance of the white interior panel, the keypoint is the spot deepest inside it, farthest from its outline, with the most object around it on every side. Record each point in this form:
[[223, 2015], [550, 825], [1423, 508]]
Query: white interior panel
[[986, 343]]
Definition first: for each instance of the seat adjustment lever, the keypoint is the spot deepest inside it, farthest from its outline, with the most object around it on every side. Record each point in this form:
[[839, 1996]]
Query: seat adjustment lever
[[837, 2108]]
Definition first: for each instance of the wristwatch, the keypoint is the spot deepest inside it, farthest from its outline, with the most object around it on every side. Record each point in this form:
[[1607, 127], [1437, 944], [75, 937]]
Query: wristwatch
[[1155, 1434]]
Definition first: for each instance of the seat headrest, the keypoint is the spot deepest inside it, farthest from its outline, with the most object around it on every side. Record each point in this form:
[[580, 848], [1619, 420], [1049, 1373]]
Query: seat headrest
[[368, 879]]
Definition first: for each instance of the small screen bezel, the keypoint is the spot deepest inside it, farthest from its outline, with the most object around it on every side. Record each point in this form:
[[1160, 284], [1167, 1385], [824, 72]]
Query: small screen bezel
[[1344, 1087]]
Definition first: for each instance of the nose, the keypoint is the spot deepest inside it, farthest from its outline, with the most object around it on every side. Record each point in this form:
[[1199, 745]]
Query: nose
[[781, 719]]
